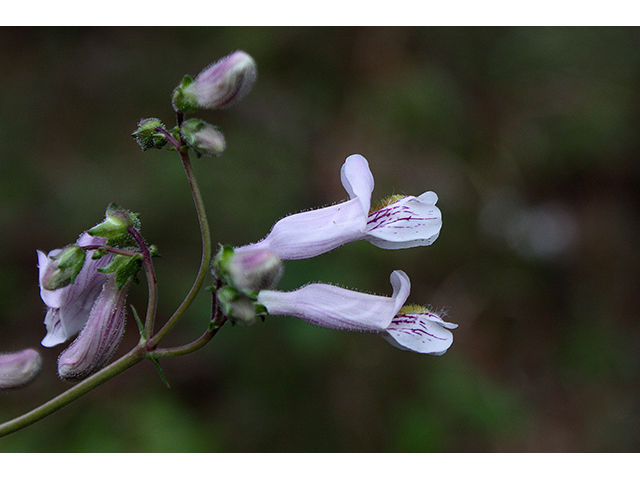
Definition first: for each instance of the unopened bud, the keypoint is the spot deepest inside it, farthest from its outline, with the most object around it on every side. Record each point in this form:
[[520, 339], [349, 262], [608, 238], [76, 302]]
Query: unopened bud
[[204, 138], [250, 270], [99, 338], [217, 86], [147, 136], [18, 369], [237, 307], [61, 268]]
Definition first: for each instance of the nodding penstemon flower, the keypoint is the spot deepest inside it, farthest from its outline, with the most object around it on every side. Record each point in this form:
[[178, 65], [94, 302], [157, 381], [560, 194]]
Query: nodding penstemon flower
[[18, 369], [398, 222], [69, 306], [328, 306], [217, 86], [100, 337]]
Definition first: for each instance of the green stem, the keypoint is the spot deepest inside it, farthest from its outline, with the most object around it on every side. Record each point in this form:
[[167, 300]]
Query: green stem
[[127, 361], [142, 351], [217, 320], [206, 253], [151, 281], [191, 347]]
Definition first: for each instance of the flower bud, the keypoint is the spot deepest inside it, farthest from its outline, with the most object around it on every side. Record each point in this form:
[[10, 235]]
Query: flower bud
[[62, 268], [238, 308], [204, 138], [147, 136], [99, 338], [249, 271], [18, 369], [217, 86]]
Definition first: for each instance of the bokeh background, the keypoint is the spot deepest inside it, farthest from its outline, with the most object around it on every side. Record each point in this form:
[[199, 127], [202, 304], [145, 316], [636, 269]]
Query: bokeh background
[[530, 138]]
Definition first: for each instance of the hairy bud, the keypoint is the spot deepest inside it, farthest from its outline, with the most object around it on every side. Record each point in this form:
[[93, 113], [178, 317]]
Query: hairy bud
[[204, 138], [249, 271], [217, 86], [18, 369], [147, 136]]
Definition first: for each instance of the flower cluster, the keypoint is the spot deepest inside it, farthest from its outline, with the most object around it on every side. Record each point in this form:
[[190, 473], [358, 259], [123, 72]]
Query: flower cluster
[[218, 86], [91, 297], [397, 222]]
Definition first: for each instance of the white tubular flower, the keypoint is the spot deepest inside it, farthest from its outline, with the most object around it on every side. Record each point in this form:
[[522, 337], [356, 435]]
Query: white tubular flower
[[69, 307], [100, 337], [337, 308], [18, 369], [400, 222]]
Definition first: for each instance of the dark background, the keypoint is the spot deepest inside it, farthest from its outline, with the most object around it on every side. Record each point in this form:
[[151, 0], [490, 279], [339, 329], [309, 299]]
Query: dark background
[[528, 135]]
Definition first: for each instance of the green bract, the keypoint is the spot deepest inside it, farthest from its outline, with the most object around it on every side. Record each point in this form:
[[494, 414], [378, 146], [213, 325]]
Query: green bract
[[115, 226], [63, 268]]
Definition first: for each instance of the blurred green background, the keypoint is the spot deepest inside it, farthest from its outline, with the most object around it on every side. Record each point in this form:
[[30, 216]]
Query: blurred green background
[[530, 138]]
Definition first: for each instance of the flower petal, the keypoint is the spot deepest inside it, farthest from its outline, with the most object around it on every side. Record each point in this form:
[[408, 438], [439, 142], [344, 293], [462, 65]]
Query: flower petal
[[420, 332], [69, 306], [405, 223], [333, 307], [51, 298], [312, 233], [357, 180]]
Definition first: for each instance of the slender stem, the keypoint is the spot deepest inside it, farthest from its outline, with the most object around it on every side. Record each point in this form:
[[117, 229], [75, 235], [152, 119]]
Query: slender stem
[[151, 281], [206, 253], [217, 320], [117, 251], [75, 392], [191, 347]]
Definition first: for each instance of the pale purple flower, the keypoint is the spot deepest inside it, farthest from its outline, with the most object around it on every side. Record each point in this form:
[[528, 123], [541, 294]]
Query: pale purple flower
[[18, 369], [337, 308], [100, 337], [69, 307], [401, 223]]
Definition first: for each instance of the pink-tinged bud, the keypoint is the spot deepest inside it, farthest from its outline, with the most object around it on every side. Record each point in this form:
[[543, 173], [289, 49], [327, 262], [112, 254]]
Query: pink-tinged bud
[[248, 271], [18, 369], [217, 86], [100, 337], [204, 138], [238, 307]]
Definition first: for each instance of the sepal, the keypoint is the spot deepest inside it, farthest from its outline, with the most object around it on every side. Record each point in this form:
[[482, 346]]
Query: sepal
[[125, 267], [147, 135], [184, 101], [62, 268], [115, 226]]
